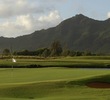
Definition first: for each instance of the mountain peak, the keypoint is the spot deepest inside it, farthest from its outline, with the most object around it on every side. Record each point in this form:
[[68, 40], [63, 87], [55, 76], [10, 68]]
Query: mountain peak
[[79, 15], [80, 18]]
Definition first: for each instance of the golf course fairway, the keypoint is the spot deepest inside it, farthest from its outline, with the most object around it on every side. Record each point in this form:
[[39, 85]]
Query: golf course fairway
[[53, 84]]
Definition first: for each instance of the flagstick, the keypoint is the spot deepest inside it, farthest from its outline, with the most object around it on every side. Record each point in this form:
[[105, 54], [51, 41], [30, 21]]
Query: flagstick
[[13, 61], [12, 73]]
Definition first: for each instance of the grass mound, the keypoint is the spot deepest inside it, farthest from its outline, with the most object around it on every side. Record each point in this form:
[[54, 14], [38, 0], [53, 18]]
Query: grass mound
[[52, 84], [54, 89]]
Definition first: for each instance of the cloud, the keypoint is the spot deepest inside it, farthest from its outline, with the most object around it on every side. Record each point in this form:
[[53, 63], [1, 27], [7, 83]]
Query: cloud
[[26, 24], [20, 17], [25, 21], [52, 19], [54, 0], [108, 14], [10, 8]]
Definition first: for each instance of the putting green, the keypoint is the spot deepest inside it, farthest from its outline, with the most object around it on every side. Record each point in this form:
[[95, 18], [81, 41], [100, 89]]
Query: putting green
[[52, 84]]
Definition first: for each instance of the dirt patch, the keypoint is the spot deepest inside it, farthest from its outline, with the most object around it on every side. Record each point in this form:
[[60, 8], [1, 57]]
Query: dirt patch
[[98, 85]]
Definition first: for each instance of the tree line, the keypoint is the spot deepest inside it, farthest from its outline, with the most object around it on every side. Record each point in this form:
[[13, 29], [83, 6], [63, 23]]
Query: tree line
[[54, 50]]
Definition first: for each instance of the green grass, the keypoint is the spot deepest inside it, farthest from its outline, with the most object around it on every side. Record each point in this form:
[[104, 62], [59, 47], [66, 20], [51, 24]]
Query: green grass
[[52, 84], [83, 61]]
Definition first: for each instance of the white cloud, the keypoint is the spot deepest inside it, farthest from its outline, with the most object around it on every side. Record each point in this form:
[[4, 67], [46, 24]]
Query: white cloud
[[51, 20], [10, 8], [52, 16], [54, 0], [25, 24], [20, 17], [26, 21], [108, 15]]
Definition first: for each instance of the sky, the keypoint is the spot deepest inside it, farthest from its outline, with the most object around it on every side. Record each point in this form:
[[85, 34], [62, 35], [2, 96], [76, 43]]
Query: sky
[[21, 17]]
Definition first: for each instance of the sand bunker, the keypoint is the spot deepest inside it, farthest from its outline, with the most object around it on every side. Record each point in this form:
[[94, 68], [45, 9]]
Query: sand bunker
[[98, 85]]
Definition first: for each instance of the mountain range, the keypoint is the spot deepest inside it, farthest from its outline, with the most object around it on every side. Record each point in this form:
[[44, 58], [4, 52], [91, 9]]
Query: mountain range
[[79, 33]]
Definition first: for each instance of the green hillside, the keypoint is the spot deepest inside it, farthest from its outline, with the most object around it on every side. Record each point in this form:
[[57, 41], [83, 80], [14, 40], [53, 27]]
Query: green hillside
[[79, 33]]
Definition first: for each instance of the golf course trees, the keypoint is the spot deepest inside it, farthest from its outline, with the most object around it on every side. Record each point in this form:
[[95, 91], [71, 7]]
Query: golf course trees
[[56, 48], [65, 52], [23, 52], [40, 51], [6, 52], [46, 53]]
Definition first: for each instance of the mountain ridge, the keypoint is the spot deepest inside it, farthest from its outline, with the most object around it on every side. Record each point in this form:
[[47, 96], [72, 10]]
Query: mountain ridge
[[79, 33]]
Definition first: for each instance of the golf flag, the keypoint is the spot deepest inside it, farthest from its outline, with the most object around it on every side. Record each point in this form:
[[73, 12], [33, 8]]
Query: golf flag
[[13, 60]]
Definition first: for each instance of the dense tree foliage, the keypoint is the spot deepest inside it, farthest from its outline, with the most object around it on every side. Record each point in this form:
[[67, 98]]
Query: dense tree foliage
[[6, 52], [54, 50], [46, 53]]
